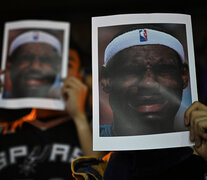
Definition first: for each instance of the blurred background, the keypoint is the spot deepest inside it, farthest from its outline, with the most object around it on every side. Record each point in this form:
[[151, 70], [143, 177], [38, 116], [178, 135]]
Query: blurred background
[[79, 13]]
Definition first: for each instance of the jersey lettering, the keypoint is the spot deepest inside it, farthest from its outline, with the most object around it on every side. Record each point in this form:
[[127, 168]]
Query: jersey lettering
[[3, 161], [59, 150], [17, 152]]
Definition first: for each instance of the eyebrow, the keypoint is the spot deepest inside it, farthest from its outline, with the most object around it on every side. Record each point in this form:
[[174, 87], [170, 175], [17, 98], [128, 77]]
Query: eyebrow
[[142, 67], [128, 68]]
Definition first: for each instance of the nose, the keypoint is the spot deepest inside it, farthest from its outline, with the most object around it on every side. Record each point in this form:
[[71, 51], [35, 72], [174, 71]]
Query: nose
[[149, 80], [36, 64]]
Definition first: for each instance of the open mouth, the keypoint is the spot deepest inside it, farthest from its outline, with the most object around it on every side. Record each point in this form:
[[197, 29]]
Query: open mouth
[[147, 104], [35, 81]]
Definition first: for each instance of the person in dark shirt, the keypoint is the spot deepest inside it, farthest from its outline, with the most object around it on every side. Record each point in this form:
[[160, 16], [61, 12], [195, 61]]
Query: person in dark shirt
[[144, 73], [45, 142]]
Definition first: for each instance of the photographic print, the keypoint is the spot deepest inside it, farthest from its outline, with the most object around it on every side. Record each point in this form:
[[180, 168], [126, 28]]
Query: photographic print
[[35, 57], [144, 79]]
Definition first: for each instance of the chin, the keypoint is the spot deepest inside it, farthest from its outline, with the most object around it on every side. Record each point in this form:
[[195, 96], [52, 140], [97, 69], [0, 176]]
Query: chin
[[152, 116], [32, 94]]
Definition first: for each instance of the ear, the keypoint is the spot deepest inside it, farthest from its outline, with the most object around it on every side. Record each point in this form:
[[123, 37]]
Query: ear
[[105, 80], [185, 75], [105, 84]]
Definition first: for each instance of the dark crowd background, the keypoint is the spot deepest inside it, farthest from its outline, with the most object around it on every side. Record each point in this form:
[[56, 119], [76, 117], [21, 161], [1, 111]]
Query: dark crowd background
[[79, 13]]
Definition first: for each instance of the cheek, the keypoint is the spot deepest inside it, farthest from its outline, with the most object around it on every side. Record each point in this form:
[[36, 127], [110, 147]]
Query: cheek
[[48, 67], [170, 82], [125, 82], [172, 90], [23, 65]]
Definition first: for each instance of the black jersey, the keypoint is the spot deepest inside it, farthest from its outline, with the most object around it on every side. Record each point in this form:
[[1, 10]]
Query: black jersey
[[34, 154], [159, 164]]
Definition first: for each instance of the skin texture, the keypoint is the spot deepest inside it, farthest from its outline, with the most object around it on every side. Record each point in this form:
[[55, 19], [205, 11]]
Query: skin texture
[[33, 70], [145, 85]]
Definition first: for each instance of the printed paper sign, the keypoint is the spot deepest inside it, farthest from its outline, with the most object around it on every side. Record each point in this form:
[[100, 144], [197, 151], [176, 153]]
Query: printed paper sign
[[35, 57], [143, 81]]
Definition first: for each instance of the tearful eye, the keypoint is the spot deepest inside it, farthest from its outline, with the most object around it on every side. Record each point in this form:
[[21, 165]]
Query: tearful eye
[[44, 59], [47, 59], [132, 70], [26, 58], [165, 70]]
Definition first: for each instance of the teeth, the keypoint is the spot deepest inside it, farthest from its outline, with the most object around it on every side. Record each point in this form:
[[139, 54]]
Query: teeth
[[33, 78], [152, 101]]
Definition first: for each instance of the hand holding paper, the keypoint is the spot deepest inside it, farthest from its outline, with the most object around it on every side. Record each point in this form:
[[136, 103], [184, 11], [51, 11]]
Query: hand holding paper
[[196, 119], [75, 94]]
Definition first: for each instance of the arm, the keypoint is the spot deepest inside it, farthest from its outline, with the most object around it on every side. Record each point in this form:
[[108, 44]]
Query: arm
[[196, 119], [75, 94]]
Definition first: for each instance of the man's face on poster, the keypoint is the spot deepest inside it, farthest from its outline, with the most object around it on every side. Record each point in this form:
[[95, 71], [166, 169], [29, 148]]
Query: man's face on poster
[[145, 85], [33, 69]]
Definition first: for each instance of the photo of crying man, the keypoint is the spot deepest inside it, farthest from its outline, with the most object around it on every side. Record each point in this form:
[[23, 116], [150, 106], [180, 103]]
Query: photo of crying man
[[144, 74]]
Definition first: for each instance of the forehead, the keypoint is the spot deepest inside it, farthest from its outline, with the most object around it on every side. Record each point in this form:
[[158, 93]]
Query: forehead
[[37, 48], [152, 54]]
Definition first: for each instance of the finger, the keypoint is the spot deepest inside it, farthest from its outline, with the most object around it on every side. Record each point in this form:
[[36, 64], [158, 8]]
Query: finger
[[189, 111], [73, 82], [66, 93], [78, 89], [72, 78], [196, 117], [192, 130], [202, 128], [195, 106], [198, 131], [70, 84], [197, 114], [198, 141]]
